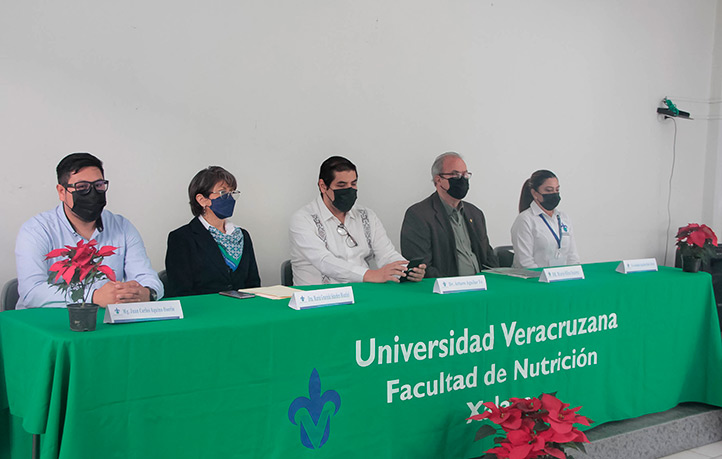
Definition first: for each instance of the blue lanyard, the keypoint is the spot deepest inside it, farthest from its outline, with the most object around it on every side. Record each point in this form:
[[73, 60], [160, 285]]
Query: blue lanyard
[[556, 238]]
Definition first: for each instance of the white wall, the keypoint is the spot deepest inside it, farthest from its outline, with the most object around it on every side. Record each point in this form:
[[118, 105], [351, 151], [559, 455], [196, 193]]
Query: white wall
[[268, 89], [712, 204]]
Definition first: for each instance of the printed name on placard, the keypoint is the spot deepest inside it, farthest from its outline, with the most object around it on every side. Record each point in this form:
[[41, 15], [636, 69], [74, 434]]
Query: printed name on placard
[[143, 312], [637, 266], [562, 273], [319, 298], [459, 284]]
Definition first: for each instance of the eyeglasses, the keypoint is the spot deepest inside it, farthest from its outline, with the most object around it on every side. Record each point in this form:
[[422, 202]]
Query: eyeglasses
[[466, 175], [83, 187], [350, 241], [223, 194]]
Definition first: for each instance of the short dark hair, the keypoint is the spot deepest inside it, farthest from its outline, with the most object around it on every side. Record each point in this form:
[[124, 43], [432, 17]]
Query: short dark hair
[[72, 163], [203, 183], [332, 165], [536, 180]]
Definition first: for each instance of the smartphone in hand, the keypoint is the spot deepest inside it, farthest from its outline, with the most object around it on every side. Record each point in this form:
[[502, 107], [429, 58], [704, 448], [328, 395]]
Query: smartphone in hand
[[412, 264]]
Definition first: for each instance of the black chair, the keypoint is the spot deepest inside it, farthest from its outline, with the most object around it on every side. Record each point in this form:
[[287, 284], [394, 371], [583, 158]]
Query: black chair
[[286, 273], [505, 255], [10, 295]]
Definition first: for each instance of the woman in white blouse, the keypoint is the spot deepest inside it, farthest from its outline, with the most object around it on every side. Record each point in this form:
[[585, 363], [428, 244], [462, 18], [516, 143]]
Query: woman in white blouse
[[542, 235]]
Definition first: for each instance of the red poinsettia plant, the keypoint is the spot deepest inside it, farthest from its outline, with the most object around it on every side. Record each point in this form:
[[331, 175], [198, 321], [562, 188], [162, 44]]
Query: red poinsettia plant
[[80, 268], [535, 428], [696, 240]]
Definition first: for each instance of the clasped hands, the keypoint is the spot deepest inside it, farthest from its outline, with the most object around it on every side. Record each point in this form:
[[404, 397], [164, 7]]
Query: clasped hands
[[120, 292]]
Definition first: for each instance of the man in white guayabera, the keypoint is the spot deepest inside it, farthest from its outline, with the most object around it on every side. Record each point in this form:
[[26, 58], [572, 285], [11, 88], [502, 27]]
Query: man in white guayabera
[[334, 241]]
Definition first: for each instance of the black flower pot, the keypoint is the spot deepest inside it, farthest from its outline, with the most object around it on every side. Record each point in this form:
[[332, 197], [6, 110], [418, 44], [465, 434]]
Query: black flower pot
[[82, 318], [691, 264]]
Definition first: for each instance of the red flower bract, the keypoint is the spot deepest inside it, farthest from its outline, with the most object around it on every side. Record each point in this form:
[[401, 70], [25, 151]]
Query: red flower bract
[[554, 452], [535, 427], [107, 271], [508, 418], [560, 418], [106, 251], [56, 253], [694, 234], [709, 234], [526, 404], [83, 257], [80, 268]]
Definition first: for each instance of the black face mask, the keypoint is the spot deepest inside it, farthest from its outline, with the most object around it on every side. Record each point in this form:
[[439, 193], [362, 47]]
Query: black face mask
[[88, 207], [458, 187], [550, 200], [344, 199]]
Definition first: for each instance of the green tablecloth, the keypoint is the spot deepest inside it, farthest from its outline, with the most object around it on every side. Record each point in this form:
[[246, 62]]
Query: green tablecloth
[[227, 380]]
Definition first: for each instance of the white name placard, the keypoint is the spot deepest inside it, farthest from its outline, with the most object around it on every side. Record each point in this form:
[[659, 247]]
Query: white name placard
[[320, 298], [637, 266], [459, 284], [562, 273], [143, 312]]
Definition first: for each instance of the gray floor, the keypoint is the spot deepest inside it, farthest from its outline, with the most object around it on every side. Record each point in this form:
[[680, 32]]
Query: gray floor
[[713, 450]]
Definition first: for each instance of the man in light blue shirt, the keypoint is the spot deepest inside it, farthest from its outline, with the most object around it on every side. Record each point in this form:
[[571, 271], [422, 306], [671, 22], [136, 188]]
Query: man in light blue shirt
[[82, 191]]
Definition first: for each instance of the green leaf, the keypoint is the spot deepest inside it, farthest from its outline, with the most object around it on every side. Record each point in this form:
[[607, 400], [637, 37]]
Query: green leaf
[[77, 295], [541, 426], [484, 431], [576, 445]]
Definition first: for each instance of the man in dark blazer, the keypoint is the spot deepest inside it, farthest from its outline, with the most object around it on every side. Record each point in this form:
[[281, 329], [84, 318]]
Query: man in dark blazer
[[448, 234]]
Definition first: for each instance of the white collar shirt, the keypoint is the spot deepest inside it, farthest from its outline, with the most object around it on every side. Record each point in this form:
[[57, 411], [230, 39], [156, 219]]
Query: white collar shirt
[[534, 237], [321, 255], [228, 227]]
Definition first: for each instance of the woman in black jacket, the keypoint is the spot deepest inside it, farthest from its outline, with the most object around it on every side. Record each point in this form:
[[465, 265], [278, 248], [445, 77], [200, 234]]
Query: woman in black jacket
[[210, 254]]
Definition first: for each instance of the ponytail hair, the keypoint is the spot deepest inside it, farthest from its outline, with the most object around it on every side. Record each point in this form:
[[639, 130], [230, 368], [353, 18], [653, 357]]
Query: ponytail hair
[[533, 183]]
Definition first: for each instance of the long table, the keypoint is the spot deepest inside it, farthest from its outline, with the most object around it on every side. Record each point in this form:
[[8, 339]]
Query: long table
[[394, 375]]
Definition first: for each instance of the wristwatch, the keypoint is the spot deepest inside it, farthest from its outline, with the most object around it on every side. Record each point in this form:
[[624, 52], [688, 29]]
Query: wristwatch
[[153, 294]]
